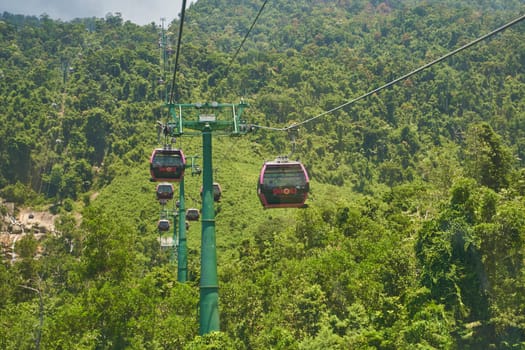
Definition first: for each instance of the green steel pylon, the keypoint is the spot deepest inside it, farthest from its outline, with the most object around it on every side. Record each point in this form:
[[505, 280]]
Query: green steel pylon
[[207, 118], [182, 250], [209, 285]]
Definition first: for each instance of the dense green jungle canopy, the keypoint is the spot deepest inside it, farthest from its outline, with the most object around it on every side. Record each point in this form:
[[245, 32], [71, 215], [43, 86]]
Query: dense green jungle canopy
[[414, 237]]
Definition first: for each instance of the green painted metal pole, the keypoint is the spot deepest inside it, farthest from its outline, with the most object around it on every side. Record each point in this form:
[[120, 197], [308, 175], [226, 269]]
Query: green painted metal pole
[[209, 288], [182, 256], [174, 241]]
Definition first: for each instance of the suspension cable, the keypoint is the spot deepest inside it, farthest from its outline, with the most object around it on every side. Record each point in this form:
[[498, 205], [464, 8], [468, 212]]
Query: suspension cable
[[225, 75], [395, 81], [172, 92]]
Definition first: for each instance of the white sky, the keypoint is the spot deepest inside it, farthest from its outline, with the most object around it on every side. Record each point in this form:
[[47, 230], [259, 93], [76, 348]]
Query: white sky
[[141, 12]]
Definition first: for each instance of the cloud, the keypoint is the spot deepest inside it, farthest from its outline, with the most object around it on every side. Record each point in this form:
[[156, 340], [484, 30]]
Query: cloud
[[141, 12]]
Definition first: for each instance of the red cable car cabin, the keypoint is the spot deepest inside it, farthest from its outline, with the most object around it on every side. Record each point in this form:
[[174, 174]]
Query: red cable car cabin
[[217, 192], [164, 191], [163, 225], [167, 164], [283, 184], [192, 214]]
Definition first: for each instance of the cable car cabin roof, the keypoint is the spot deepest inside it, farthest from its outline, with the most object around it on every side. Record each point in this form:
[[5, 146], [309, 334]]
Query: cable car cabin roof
[[283, 184], [167, 164], [164, 190]]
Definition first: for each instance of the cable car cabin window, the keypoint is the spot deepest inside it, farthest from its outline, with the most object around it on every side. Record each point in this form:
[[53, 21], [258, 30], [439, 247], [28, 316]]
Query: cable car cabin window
[[275, 176], [167, 165]]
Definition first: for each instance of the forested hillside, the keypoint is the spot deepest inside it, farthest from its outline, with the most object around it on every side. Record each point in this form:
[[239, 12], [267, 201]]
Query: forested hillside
[[414, 235]]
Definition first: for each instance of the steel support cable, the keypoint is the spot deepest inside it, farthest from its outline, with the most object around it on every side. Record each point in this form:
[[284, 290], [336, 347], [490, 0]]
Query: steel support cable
[[225, 75], [395, 81], [177, 52]]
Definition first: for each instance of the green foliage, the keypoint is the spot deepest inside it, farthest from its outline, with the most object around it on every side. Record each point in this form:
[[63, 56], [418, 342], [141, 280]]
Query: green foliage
[[212, 341], [17, 193], [490, 160], [413, 238]]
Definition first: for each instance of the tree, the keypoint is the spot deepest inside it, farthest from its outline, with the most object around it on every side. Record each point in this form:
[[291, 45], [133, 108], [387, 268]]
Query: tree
[[97, 129], [488, 159]]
